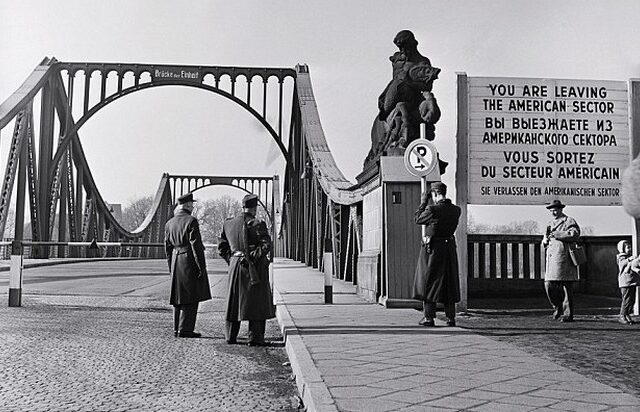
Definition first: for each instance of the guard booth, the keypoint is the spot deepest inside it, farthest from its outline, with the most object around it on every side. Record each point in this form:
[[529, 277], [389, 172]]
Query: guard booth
[[391, 239]]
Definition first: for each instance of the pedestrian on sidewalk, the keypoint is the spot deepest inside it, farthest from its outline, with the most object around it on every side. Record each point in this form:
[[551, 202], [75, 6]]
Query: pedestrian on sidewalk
[[187, 265], [245, 245], [560, 274], [628, 280], [436, 278]]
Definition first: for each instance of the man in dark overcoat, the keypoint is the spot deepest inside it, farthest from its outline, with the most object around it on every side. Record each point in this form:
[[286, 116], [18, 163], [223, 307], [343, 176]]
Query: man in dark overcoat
[[245, 245], [187, 265], [436, 278]]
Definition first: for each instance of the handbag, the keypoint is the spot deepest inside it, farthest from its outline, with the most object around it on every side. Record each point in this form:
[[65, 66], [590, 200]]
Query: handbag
[[578, 255]]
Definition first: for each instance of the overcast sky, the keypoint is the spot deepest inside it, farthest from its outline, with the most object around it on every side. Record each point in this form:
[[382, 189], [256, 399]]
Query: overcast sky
[[346, 44]]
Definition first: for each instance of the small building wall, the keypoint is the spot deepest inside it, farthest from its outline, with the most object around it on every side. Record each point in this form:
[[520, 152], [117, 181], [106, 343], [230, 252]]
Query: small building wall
[[402, 238], [368, 265]]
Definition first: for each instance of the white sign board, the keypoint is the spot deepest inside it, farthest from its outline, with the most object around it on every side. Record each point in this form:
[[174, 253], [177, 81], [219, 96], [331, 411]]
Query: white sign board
[[421, 159], [534, 140]]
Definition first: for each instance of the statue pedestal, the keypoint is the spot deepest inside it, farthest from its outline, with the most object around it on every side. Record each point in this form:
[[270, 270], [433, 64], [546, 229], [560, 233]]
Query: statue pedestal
[[391, 239]]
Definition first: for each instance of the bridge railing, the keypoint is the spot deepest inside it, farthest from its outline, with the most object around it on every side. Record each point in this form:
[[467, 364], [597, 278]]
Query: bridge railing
[[89, 249], [515, 264], [499, 264], [505, 257]]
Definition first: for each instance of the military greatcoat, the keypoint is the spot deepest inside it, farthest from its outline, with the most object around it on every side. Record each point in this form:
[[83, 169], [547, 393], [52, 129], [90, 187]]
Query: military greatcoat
[[563, 232], [245, 244], [185, 255], [436, 277]]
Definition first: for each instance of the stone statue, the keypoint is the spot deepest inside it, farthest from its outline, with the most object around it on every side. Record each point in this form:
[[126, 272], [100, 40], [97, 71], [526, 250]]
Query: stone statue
[[406, 102]]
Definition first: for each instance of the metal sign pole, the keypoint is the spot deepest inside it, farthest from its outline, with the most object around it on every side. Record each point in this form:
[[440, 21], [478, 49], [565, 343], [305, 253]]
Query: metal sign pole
[[634, 146], [462, 185], [424, 184]]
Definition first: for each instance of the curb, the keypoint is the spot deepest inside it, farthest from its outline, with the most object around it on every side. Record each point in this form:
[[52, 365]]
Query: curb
[[62, 262], [311, 387]]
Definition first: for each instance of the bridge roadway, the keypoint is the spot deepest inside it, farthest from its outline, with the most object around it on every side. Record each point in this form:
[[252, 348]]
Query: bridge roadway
[[98, 336]]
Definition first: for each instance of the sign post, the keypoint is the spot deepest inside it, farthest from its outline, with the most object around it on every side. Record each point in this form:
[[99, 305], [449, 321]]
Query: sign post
[[462, 185], [634, 100], [421, 159]]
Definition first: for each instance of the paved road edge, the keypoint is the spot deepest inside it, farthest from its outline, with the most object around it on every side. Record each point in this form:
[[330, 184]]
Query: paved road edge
[[313, 391], [46, 262]]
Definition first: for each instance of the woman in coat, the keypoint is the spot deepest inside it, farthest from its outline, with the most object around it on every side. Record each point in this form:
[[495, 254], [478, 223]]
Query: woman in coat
[[560, 273]]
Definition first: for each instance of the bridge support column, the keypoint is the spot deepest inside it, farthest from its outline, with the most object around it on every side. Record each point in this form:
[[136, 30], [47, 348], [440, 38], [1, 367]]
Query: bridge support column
[[15, 277]]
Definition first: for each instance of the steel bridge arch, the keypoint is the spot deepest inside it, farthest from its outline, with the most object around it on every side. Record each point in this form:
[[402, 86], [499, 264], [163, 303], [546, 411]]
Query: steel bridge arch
[[239, 188], [64, 143], [229, 182], [320, 207]]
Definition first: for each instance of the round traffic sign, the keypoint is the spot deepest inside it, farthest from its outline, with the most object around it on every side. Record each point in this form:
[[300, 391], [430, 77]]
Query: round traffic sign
[[420, 157]]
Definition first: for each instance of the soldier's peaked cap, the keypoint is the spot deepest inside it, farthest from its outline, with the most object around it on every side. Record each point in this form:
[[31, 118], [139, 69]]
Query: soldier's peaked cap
[[438, 186], [186, 198], [250, 201]]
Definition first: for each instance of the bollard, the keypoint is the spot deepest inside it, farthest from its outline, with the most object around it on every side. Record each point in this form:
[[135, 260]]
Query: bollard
[[328, 276], [15, 277]]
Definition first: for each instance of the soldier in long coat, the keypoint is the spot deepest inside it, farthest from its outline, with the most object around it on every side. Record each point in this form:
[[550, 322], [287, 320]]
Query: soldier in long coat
[[245, 245], [560, 272], [436, 278], [187, 265]]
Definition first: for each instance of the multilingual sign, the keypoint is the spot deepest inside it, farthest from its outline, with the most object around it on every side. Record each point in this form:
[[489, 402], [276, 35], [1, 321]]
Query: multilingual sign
[[176, 73], [534, 140], [421, 158]]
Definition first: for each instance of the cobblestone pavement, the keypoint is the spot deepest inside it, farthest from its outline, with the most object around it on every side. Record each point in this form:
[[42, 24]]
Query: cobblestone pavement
[[595, 346], [77, 347]]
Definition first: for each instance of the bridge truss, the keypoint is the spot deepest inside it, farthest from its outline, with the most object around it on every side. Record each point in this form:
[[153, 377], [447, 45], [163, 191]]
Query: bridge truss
[[316, 210]]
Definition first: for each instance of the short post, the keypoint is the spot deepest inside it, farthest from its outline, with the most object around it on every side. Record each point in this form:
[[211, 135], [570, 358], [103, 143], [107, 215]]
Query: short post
[[15, 277], [327, 264]]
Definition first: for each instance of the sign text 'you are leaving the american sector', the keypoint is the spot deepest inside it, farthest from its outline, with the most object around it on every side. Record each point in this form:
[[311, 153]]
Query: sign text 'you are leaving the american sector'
[[533, 140]]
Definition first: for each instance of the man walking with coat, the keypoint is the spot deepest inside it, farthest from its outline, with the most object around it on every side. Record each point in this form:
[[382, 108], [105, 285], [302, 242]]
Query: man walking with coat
[[187, 265], [245, 245], [436, 279], [560, 273]]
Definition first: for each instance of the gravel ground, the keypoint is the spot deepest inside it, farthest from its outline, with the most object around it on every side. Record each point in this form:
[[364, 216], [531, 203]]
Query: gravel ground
[[594, 345]]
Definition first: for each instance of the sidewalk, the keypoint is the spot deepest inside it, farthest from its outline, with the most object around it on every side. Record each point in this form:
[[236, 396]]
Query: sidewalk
[[358, 356]]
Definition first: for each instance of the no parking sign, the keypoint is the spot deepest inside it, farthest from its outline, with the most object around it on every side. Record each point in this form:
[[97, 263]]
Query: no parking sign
[[421, 159]]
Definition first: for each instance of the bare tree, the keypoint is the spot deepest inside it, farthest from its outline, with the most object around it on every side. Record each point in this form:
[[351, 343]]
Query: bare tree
[[525, 227], [212, 213], [136, 211]]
